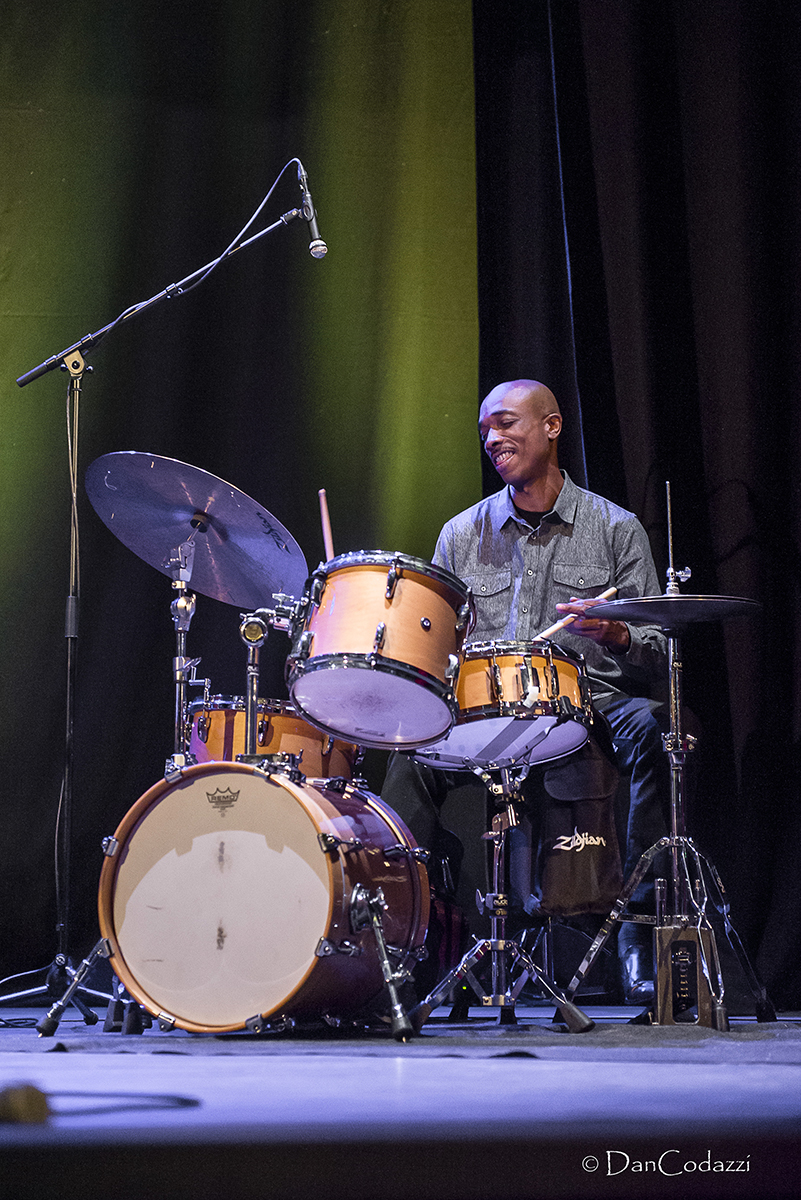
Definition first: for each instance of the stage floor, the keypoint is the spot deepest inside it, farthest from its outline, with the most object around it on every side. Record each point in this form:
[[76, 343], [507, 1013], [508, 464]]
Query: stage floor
[[463, 1110]]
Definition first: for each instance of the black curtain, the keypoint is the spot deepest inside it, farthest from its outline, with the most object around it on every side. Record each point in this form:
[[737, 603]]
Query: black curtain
[[663, 138]]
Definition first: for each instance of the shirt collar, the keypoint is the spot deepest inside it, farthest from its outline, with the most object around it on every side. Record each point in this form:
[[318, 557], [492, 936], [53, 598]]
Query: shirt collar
[[564, 510]]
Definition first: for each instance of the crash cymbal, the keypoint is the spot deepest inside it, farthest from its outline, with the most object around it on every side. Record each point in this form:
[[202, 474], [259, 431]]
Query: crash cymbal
[[673, 612], [242, 553]]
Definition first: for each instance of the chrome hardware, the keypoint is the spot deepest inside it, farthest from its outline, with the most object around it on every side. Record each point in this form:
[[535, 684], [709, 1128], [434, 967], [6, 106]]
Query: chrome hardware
[[547, 650], [338, 784], [465, 616], [401, 851], [110, 846], [166, 1022], [425, 623], [529, 683], [253, 628], [366, 910], [362, 904], [392, 578], [326, 948], [203, 728], [452, 669], [330, 844], [380, 634], [303, 649], [497, 681], [316, 590], [287, 765], [525, 678], [174, 767]]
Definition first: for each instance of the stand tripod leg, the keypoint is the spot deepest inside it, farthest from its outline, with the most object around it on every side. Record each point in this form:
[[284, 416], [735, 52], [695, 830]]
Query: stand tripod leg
[[366, 910], [762, 1003], [573, 1017], [422, 1011], [49, 1023], [615, 915]]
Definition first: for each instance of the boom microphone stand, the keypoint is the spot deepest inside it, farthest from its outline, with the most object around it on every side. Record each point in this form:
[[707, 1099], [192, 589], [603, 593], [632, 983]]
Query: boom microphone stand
[[60, 972]]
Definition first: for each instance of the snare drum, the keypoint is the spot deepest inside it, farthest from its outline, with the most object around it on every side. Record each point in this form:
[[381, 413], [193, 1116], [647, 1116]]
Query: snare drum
[[226, 897], [376, 656], [218, 735], [519, 702]]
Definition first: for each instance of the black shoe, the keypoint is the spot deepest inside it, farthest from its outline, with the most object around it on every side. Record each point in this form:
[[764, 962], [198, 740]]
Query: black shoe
[[636, 958]]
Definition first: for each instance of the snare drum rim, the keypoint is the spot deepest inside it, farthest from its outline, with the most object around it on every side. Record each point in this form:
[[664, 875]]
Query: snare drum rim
[[390, 666], [111, 863], [534, 649]]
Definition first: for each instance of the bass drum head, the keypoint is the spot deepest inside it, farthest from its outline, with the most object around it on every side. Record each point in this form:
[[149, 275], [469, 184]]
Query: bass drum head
[[220, 895]]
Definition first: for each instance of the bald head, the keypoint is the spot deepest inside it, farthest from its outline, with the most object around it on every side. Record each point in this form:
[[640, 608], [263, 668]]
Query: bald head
[[519, 424], [536, 396]]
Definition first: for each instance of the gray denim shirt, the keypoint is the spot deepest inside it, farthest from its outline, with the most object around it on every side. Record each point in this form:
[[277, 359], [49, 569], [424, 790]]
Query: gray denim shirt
[[518, 575]]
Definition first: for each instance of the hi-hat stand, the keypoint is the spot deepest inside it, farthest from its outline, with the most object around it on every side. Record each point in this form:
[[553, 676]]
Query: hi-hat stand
[[504, 954], [689, 986]]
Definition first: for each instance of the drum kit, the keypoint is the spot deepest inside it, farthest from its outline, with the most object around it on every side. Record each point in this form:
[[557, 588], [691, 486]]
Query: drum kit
[[259, 883]]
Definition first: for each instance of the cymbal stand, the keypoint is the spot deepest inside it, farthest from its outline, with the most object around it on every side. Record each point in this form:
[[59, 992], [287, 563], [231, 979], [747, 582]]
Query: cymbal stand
[[504, 953], [182, 608], [253, 630]]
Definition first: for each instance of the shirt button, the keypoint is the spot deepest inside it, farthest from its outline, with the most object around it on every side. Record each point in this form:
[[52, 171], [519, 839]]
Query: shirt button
[[529, 571], [581, 583], [483, 587], [525, 609]]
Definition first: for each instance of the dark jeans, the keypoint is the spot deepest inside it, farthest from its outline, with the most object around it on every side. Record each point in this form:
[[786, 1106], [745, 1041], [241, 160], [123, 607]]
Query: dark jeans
[[447, 811]]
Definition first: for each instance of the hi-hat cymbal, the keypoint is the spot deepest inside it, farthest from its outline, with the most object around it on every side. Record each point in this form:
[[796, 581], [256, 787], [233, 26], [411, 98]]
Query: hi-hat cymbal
[[242, 553], [673, 612]]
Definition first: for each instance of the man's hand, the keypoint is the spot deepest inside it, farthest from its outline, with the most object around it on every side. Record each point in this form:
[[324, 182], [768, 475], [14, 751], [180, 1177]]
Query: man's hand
[[613, 634]]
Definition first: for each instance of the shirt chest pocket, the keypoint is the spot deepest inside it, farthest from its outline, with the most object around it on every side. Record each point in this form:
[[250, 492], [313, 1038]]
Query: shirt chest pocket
[[493, 593], [580, 579]]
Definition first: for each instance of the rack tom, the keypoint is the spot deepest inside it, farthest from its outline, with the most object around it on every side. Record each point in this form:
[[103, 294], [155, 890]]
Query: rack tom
[[218, 735], [375, 653]]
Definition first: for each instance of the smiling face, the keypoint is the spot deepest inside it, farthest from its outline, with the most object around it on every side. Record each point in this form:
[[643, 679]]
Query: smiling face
[[519, 424]]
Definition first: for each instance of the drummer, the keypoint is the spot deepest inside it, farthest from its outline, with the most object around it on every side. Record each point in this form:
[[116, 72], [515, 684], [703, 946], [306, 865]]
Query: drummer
[[539, 549]]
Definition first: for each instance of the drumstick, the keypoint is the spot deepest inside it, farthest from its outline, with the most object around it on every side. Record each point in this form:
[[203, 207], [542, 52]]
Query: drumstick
[[546, 633], [328, 541]]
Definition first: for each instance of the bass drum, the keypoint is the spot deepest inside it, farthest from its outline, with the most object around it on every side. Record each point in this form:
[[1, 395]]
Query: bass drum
[[226, 897], [218, 735]]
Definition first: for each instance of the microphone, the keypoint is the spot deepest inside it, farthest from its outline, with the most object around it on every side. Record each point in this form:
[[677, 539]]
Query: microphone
[[317, 247]]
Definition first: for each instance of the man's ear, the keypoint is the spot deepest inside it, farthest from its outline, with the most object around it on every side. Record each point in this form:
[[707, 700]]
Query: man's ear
[[554, 424]]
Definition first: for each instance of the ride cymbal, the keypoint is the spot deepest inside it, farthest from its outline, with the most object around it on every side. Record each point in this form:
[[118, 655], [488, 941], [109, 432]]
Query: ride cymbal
[[243, 555]]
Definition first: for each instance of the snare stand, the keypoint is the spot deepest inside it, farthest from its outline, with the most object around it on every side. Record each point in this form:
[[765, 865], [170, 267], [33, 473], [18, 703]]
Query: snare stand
[[504, 953]]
